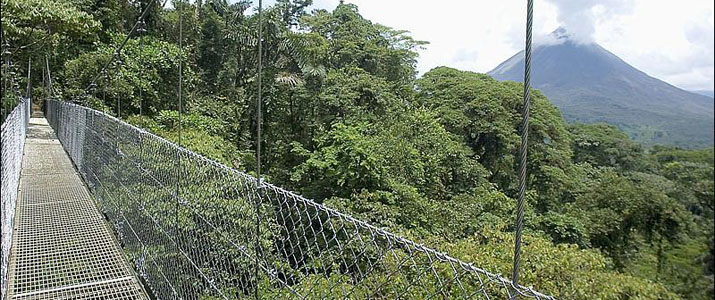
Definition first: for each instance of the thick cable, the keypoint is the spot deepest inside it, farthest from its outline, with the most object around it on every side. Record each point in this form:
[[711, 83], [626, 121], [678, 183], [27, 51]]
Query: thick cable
[[104, 91], [259, 122], [524, 144], [5, 75], [44, 83], [49, 77], [181, 62], [29, 78], [259, 75], [141, 30], [119, 102], [119, 48]]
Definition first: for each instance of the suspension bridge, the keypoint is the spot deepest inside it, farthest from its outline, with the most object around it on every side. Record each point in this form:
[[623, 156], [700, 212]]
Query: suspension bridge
[[62, 246], [106, 210], [95, 208]]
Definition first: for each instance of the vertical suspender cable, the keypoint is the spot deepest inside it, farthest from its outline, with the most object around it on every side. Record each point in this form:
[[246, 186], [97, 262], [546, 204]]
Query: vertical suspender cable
[[49, 76], [260, 71], [524, 142], [259, 122], [124, 42], [104, 91], [5, 76], [181, 77], [141, 30], [28, 93], [29, 84], [44, 84], [181, 61], [119, 103]]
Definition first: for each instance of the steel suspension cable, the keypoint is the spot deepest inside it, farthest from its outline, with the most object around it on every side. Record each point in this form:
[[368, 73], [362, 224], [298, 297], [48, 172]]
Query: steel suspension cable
[[119, 48], [180, 108], [49, 77], [119, 102], [141, 30], [259, 122], [104, 91], [5, 76], [259, 75], [44, 85], [181, 62], [524, 144], [29, 78]]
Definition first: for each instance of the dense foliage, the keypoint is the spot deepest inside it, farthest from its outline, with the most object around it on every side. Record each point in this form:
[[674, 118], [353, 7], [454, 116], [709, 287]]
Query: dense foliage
[[348, 123]]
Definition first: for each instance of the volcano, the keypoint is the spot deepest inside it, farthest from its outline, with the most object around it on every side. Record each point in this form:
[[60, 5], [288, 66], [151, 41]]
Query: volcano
[[589, 84]]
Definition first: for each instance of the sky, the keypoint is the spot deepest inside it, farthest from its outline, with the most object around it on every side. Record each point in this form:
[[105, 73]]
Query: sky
[[669, 40]]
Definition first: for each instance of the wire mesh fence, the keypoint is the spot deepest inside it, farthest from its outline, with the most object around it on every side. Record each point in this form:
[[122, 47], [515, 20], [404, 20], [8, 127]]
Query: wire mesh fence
[[13, 143], [196, 229]]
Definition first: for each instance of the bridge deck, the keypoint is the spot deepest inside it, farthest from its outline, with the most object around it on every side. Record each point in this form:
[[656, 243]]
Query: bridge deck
[[62, 249]]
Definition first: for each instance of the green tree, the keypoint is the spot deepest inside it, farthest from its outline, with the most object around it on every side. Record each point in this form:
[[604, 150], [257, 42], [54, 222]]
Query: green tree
[[46, 32], [605, 145], [355, 41], [410, 166], [151, 72], [487, 115]]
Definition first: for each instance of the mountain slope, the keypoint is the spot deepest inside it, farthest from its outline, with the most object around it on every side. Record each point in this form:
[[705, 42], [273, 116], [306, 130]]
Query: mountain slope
[[590, 84], [708, 93]]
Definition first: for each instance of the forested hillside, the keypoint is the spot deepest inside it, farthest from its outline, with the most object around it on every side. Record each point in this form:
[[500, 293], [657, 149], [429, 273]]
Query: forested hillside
[[347, 122]]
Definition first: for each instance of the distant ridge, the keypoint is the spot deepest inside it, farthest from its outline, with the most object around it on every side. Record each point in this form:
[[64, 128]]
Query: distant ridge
[[590, 84], [706, 93]]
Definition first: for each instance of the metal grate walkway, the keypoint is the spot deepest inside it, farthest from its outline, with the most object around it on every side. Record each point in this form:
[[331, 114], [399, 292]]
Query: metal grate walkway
[[62, 248]]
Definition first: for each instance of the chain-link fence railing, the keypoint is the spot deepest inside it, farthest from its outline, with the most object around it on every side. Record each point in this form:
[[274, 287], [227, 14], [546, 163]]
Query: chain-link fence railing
[[13, 144], [196, 229]]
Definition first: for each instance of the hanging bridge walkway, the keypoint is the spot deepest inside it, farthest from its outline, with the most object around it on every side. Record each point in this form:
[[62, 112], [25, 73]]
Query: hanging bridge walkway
[[105, 210], [62, 246]]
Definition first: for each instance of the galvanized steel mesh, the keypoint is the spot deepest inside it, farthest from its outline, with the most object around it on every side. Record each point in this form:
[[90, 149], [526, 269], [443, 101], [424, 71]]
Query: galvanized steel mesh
[[13, 143], [196, 229], [62, 247]]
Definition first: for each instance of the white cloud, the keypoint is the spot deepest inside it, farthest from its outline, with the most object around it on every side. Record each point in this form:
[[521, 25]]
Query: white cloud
[[469, 35], [670, 40], [580, 17]]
